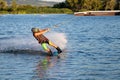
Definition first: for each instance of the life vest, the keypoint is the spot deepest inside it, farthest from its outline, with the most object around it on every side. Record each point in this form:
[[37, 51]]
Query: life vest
[[41, 38]]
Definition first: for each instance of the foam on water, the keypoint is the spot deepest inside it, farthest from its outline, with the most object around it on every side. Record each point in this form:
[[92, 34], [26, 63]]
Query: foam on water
[[59, 39], [29, 43]]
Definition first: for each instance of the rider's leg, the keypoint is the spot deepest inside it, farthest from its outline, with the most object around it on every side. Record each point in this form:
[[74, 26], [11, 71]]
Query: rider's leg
[[52, 44], [44, 46]]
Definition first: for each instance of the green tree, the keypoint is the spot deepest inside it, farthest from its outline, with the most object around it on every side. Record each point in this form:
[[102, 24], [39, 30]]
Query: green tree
[[117, 5], [96, 5], [60, 5], [87, 5], [92, 4], [110, 5], [113, 4], [74, 5], [104, 4], [14, 5], [3, 5]]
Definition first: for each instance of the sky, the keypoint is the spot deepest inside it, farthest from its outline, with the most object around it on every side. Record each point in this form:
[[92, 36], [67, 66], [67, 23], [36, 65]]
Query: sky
[[53, 0]]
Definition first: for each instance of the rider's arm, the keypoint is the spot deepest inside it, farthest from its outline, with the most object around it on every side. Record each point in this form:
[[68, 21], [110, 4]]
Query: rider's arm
[[42, 31]]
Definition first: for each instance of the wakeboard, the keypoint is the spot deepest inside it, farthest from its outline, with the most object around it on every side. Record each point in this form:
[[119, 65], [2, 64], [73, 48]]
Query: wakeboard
[[61, 55], [55, 53]]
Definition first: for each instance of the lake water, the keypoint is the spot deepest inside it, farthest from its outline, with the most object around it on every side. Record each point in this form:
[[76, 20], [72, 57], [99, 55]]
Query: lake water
[[91, 47]]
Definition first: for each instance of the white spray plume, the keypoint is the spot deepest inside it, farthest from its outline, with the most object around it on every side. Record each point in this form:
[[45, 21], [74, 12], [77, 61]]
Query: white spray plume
[[29, 42], [58, 38]]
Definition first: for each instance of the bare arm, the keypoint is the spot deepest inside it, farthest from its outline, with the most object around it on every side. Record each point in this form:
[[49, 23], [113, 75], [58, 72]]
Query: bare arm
[[42, 31]]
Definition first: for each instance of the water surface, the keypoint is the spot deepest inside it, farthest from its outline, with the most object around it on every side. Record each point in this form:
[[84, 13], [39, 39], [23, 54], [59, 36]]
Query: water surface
[[91, 48]]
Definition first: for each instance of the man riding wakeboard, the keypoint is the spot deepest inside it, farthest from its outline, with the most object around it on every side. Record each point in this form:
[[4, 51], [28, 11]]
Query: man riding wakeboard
[[38, 34]]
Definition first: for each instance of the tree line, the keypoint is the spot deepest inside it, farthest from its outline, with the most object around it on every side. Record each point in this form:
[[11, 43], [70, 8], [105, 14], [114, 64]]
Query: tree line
[[69, 6], [85, 5], [15, 8]]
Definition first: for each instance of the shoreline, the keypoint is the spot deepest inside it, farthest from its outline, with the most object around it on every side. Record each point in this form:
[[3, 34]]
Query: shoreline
[[39, 14], [86, 13], [35, 13], [98, 13]]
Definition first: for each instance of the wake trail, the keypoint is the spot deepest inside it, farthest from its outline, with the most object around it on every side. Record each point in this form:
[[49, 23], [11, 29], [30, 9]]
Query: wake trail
[[28, 42]]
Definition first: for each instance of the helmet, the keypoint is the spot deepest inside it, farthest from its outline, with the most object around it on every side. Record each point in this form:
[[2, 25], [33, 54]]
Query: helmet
[[35, 29]]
